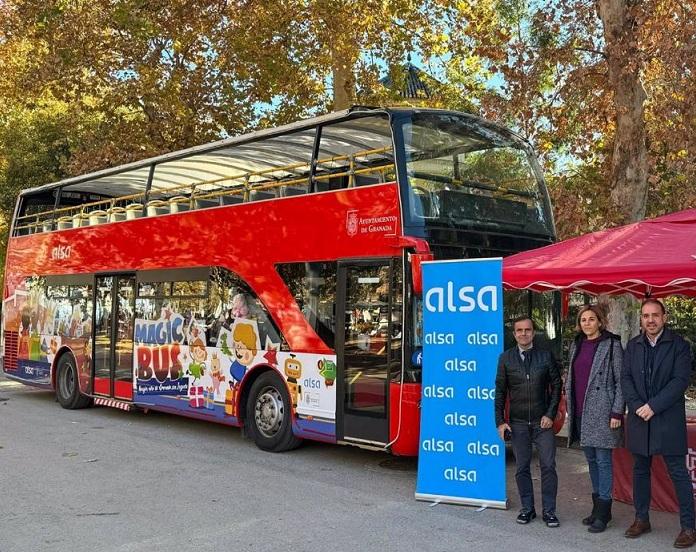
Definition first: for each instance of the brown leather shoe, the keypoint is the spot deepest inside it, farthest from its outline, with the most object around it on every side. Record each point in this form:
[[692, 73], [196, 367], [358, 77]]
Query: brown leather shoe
[[637, 529], [685, 539]]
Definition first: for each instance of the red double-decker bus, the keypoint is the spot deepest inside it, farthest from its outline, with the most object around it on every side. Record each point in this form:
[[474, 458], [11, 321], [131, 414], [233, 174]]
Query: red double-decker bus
[[270, 280]]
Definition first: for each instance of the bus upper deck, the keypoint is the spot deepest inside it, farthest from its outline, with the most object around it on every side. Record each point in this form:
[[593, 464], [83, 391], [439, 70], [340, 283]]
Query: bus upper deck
[[454, 170]]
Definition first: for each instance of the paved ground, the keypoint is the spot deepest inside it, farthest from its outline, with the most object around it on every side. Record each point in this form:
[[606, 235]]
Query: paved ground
[[102, 479]]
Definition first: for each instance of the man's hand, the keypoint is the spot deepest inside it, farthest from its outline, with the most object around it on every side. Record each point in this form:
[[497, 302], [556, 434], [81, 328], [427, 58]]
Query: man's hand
[[645, 412], [502, 428], [546, 422], [614, 423]]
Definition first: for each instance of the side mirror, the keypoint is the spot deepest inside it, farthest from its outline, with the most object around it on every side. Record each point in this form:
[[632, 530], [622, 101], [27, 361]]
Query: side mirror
[[416, 271]]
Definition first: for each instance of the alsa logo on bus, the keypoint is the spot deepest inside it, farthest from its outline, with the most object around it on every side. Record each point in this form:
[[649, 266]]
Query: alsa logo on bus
[[466, 299], [61, 252]]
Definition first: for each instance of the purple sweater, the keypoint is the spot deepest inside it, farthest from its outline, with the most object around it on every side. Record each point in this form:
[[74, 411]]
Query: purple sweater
[[581, 371]]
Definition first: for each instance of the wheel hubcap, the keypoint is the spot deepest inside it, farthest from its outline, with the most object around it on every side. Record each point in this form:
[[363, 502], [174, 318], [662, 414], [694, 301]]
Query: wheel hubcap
[[67, 382], [269, 411]]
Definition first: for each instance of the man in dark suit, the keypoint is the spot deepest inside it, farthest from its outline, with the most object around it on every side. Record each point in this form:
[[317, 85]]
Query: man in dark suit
[[656, 372], [531, 377]]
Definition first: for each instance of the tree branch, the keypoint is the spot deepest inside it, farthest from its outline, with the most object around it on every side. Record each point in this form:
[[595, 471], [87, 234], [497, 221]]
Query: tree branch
[[591, 51]]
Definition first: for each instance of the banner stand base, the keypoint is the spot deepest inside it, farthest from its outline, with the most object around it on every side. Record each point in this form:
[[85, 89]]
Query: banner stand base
[[500, 504]]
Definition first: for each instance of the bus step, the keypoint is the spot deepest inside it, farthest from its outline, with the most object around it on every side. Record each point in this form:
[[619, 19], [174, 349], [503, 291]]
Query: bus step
[[113, 403]]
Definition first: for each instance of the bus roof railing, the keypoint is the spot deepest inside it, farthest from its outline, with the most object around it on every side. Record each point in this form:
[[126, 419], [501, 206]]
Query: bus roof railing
[[44, 221]]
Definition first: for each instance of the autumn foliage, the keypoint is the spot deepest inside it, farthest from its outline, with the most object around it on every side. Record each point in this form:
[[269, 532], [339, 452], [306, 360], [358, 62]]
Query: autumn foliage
[[603, 90]]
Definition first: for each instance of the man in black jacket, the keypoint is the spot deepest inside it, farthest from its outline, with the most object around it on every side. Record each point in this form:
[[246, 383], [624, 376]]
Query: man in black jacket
[[532, 378], [656, 372]]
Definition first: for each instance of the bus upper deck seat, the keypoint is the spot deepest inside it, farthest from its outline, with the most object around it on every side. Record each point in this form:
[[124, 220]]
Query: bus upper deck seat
[[116, 214], [134, 211], [157, 207], [232, 199], [287, 191], [207, 202], [97, 217], [260, 195], [178, 204], [330, 184], [367, 179], [64, 223], [78, 220]]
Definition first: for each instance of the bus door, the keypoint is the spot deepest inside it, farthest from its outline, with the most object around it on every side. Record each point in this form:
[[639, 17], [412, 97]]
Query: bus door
[[114, 315], [368, 348]]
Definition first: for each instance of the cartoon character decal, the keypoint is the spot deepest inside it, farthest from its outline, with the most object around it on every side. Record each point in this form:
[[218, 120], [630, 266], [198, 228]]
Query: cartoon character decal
[[327, 370], [23, 342], [86, 366], [50, 327], [244, 348], [75, 322], [34, 344], [54, 344], [216, 373], [40, 325], [209, 378], [293, 372], [198, 355]]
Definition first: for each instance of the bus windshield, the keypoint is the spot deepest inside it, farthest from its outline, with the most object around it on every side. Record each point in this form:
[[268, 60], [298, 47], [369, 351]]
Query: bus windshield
[[465, 173]]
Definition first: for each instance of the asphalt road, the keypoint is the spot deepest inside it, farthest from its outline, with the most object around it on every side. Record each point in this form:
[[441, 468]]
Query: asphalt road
[[105, 480]]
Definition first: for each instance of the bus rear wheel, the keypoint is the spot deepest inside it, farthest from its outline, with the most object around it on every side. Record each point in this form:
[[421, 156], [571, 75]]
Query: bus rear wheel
[[67, 384], [268, 418]]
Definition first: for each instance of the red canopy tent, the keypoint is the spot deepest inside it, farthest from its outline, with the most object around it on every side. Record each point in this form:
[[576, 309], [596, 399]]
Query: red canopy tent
[[655, 257]]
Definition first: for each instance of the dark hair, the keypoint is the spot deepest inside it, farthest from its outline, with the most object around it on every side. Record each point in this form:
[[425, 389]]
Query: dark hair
[[653, 302], [522, 319], [599, 313]]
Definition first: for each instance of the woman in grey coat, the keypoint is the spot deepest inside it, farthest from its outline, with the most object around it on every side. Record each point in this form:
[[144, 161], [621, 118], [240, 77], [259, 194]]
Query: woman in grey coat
[[596, 405]]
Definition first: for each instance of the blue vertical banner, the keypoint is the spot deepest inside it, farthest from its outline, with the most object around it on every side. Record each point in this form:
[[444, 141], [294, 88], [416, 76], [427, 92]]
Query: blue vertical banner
[[461, 457]]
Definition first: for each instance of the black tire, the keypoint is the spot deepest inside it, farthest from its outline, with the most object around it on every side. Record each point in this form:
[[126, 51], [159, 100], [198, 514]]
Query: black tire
[[67, 386], [268, 418]]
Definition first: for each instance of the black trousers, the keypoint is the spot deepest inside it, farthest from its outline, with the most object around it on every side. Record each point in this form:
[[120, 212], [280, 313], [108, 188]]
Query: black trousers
[[523, 436]]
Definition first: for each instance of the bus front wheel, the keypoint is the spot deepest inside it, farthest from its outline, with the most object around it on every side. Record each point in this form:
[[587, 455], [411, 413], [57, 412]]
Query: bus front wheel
[[67, 384], [268, 414]]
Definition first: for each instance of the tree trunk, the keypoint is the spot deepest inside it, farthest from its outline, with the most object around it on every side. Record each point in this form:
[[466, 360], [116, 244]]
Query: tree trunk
[[623, 315], [629, 165], [343, 85]]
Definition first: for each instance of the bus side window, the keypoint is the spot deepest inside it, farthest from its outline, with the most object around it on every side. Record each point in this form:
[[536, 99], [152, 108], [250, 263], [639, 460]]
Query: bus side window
[[237, 301], [35, 215], [313, 285], [355, 163]]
